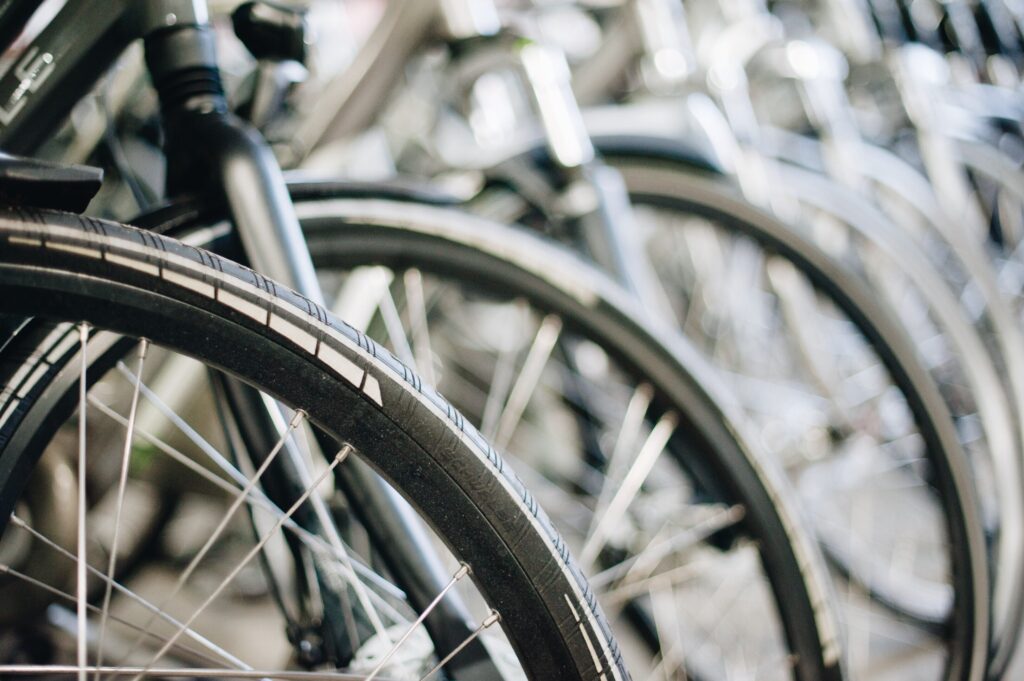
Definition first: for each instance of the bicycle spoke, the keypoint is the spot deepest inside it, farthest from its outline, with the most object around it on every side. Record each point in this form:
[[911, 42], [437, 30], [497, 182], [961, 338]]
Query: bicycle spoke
[[367, 292], [860, 522], [358, 300], [182, 672], [183, 459], [334, 546], [395, 329], [631, 483], [491, 619], [180, 423], [341, 456], [730, 590], [415, 299], [641, 564], [666, 619], [121, 484], [7, 570], [313, 542], [240, 497], [630, 590], [128, 593], [780, 661], [498, 389], [82, 587], [798, 309], [459, 574], [629, 433], [246, 493], [536, 358], [327, 524]]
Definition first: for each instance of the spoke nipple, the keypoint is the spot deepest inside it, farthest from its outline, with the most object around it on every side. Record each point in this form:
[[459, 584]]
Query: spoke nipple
[[143, 347], [342, 454], [464, 570], [493, 618], [300, 415]]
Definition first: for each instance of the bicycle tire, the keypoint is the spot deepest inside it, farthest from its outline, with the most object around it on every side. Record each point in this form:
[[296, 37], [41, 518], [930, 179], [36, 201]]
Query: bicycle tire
[[126, 280]]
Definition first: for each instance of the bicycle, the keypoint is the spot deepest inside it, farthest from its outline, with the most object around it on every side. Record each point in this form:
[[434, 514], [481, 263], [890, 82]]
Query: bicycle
[[368, 381]]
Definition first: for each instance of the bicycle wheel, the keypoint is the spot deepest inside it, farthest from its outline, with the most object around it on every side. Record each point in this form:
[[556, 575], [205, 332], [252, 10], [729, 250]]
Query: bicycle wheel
[[935, 273], [160, 293], [539, 350], [867, 437], [782, 318]]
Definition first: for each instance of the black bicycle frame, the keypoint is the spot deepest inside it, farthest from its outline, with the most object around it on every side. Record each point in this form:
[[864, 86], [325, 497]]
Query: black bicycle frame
[[59, 66]]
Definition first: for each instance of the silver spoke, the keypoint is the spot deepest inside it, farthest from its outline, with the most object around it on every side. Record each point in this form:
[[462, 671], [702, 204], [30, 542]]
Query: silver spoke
[[459, 574], [497, 392], [313, 542], [128, 593], [416, 303], [81, 573], [779, 661], [629, 591], [8, 570], [641, 564], [860, 530], [799, 310], [302, 466], [358, 299], [121, 484], [666, 620], [631, 484], [181, 672], [629, 433], [731, 590], [540, 350], [341, 456], [236, 503], [492, 619], [180, 423], [395, 329]]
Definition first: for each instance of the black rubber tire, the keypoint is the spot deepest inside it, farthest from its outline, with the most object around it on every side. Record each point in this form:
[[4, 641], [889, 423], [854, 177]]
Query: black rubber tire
[[132, 282]]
